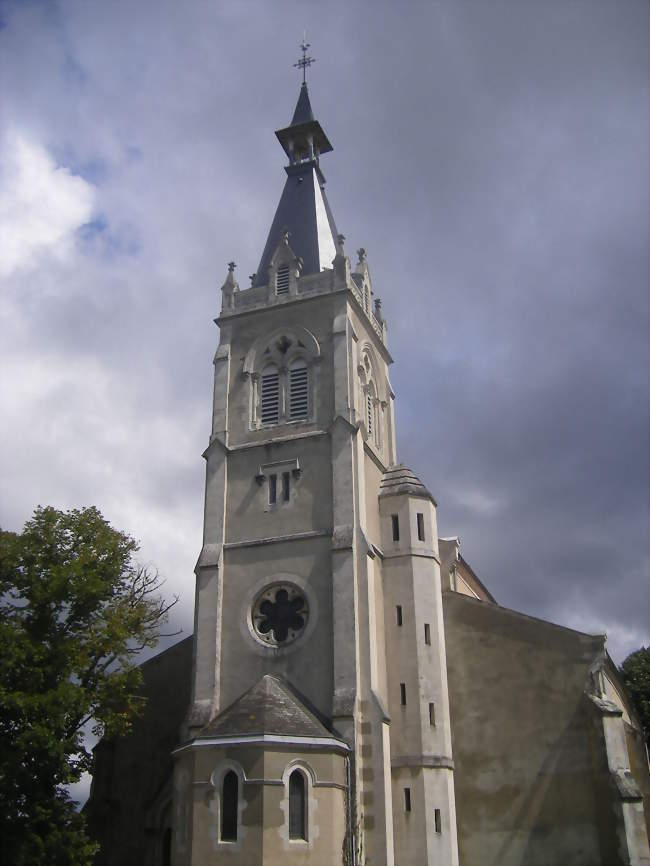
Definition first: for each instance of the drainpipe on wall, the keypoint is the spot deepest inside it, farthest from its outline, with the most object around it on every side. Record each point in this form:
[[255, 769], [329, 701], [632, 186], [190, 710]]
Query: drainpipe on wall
[[352, 856]]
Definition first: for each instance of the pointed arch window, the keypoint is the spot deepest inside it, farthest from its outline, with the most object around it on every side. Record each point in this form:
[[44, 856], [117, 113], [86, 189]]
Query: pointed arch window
[[297, 805], [370, 407], [270, 396], [284, 380], [298, 390], [229, 806]]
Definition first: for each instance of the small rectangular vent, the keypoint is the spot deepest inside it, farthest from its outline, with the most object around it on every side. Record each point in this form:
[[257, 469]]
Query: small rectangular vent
[[282, 280], [298, 393], [270, 402]]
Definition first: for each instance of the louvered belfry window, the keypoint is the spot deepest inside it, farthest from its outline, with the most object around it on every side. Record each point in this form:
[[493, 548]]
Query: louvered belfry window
[[282, 280], [297, 806], [270, 398], [369, 412], [298, 391]]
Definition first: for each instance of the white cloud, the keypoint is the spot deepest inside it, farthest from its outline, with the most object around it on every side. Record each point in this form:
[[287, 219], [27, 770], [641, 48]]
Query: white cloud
[[477, 500], [41, 204]]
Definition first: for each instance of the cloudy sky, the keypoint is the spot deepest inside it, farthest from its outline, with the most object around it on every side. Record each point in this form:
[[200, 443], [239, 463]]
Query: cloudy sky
[[493, 160]]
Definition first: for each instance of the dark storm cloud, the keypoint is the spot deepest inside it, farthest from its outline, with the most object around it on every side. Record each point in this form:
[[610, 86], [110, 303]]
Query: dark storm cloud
[[492, 158]]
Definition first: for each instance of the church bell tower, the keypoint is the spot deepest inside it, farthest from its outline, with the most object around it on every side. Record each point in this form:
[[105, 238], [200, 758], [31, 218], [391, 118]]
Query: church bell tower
[[318, 730]]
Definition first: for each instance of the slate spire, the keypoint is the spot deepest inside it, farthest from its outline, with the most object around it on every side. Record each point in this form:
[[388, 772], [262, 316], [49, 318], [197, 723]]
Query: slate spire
[[303, 112], [303, 211]]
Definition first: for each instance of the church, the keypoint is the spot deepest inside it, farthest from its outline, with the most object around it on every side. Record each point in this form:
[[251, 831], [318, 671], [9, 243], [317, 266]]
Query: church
[[352, 693]]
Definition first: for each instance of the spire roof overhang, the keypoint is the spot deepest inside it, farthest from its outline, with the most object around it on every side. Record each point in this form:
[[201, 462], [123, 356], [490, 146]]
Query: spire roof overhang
[[295, 138]]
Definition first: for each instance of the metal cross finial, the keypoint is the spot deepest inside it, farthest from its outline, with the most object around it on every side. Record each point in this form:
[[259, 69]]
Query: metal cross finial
[[304, 61], [231, 266]]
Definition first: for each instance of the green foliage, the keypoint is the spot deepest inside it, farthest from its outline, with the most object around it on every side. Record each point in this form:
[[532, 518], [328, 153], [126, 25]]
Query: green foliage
[[75, 610], [635, 671]]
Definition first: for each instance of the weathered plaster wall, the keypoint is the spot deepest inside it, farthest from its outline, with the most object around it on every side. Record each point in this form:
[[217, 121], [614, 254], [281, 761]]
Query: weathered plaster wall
[[310, 508], [531, 786], [638, 755], [306, 663]]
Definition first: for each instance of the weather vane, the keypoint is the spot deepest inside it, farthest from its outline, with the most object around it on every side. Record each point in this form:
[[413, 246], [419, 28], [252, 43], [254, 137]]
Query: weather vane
[[304, 61]]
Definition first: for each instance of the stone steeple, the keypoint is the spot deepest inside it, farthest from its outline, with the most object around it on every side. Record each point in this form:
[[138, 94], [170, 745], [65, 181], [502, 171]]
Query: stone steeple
[[303, 212], [314, 536]]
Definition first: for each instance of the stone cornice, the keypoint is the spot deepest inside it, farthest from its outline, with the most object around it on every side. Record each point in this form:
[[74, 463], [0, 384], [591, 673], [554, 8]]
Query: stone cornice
[[278, 539], [432, 761], [265, 740]]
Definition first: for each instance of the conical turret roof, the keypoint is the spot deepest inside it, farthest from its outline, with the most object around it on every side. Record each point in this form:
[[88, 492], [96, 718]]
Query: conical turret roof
[[398, 480]]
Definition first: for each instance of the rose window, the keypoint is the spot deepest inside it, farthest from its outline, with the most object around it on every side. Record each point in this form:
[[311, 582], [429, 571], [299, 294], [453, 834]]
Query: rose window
[[280, 614]]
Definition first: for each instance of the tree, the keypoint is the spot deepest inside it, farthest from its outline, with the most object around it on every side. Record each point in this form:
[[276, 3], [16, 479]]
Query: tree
[[75, 611], [635, 671]]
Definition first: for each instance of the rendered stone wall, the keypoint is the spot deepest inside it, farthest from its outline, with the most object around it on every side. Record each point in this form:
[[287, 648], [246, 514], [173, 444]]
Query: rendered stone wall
[[263, 835], [530, 768]]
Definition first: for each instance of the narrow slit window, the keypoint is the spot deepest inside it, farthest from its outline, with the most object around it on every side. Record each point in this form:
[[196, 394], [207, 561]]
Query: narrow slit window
[[427, 634], [437, 821], [286, 486], [420, 518], [407, 799], [270, 397], [273, 489], [282, 280], [432, 714], [229, 798], [297, 806], [395, 522], [402, 694], [369, 414], [398, 610], [298, 391]]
